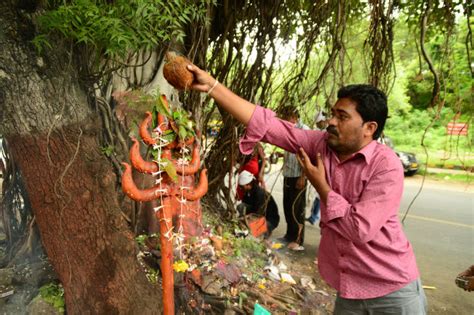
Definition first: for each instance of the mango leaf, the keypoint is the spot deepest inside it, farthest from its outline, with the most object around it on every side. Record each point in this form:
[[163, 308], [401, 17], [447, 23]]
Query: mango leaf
[[154, 113], [182, 132], [177, 115], [162, 108], [154, 154], [169, 168], [169, 135]]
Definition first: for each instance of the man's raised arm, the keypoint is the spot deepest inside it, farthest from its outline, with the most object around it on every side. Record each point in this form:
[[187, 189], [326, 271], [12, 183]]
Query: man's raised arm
[[239, 108]]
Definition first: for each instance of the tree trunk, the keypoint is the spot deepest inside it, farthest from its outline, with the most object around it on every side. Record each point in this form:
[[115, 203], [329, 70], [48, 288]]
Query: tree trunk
[[52, 134]]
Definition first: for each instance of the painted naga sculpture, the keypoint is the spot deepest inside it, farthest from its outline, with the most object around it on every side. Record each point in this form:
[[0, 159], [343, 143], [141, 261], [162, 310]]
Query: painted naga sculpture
[[176, 161]]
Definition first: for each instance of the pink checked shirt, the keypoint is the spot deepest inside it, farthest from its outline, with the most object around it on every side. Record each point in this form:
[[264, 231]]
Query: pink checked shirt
[[363, 251]]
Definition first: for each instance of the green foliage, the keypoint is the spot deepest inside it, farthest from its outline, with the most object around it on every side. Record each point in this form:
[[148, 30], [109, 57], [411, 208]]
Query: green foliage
[[407, 130], [244, 247], [419, 91], [169, 168], [107, 150], [247, 247], [116, 28], [184, 126], [242, 297], [140, 239], [448, 53], [398, 99], [40, 42], [413, 84], [160, 107], [410, 94], [152, 275], [442, 14], [54, 295], [168, 135]]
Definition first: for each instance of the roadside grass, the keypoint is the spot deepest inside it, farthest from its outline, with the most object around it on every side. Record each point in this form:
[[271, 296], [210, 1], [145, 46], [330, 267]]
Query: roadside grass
[[446, 161], [442, 159], [465, 177], [449, 163]]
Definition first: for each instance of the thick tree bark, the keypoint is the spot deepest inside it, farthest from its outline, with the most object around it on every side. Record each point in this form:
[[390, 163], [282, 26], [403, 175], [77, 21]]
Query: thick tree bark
[[52, 134]]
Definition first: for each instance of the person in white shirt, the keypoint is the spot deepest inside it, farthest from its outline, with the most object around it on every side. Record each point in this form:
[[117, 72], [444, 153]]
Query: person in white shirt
[[294, 190], [321, 124]]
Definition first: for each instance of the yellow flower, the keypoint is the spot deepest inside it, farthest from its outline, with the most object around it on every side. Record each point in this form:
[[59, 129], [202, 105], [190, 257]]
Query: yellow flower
[[277, 245], [180, 266]]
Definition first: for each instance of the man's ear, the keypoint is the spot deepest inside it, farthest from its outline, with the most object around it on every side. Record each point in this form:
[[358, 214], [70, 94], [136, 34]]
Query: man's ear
[[370, 128]]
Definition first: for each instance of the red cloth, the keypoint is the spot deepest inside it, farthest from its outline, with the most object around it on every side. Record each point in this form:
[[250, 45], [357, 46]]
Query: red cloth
[[252, 167], [363, 252]]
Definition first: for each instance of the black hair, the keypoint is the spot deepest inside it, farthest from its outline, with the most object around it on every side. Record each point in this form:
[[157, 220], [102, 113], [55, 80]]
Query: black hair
[[253, 183], [371, 104], [288, 112]]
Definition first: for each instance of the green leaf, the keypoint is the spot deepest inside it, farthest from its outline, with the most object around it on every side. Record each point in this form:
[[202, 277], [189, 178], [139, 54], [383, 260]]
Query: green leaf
[[176, 115], [118, 27], [108, 150], [53, 294], [169, 168], [140, 239], [161, 107], [182, 132], [40, 42], [169, 135], [154, 154]]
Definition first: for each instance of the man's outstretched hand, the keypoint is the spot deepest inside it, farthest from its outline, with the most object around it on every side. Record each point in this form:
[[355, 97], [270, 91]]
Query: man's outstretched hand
[[237, 107], [203, 81]]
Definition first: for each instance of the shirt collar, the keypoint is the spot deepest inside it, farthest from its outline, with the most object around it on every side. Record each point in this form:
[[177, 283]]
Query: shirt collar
[[368, 151]]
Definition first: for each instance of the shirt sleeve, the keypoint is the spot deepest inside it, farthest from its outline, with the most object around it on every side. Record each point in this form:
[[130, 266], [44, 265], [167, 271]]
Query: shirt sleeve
[[265, 126], [361, 221]]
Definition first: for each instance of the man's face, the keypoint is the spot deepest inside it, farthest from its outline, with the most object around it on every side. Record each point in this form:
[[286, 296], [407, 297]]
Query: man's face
[[246, 187], [347, 131]]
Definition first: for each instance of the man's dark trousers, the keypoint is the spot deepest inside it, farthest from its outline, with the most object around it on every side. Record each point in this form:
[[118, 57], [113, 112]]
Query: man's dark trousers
[[294, 204]]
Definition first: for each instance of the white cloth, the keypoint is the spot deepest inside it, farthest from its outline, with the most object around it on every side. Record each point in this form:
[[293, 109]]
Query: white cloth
[[291, 167], [319, 117], [245, 178]]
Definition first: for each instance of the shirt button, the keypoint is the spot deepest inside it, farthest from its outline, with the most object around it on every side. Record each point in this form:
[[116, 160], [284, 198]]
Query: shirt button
[[343, 271]]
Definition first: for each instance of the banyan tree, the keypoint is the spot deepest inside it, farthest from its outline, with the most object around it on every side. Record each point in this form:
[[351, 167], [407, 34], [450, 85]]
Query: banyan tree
[[66, 125]]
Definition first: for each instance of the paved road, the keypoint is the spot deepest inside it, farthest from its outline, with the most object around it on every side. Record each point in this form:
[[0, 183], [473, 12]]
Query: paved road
[[440, 226]]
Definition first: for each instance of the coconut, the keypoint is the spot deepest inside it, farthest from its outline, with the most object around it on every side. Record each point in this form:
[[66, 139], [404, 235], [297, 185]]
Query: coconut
[[176, 73]]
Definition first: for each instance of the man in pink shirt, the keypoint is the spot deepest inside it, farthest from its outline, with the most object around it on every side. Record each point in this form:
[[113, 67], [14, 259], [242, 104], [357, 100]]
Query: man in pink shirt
[[363, 253]]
